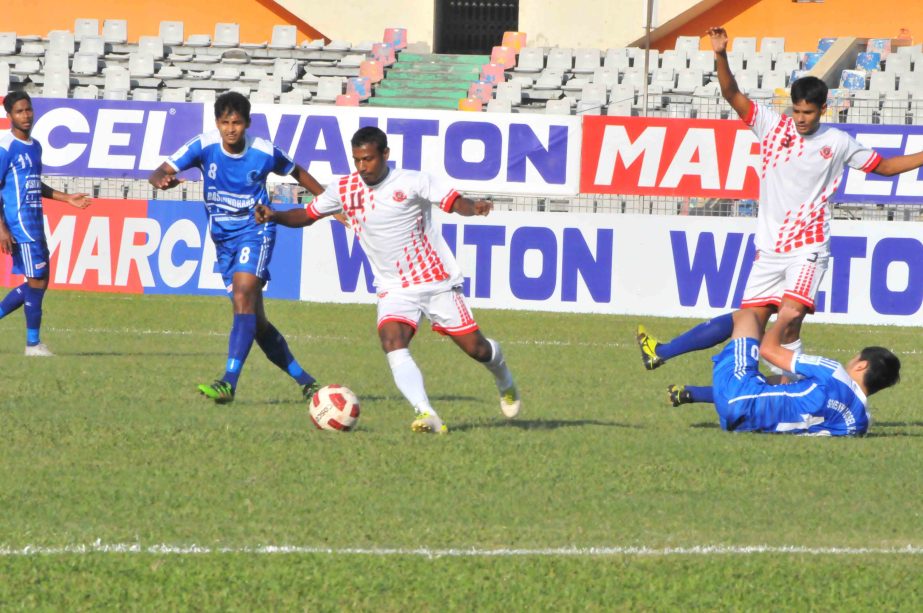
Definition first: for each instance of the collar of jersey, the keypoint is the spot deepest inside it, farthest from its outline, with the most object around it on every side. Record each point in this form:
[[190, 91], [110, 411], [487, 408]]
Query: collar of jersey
[[247, 142]]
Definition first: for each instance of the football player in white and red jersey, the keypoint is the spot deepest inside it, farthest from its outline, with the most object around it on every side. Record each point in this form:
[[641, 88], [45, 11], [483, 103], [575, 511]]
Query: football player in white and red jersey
[[390, 210], [801, 167]]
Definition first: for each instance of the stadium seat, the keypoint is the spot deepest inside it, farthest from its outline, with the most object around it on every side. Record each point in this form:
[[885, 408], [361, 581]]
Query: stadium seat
[[492, 73], [688, 79], [898, 63], [586, 61], [31, 49], [115, 31], [85, 63], [622, 93], [825, 43], [236, 55], [747, 80], [672, 59], [9, 45], [883, 82], [560, 106], [140, 65], [689, 44], [881, 46], [253, 73], [85, 27], [353, 60], [594, 93], [262, 96], [24, 68], [271, 85], [87, 92], [144, 94], [229, 72], [634, 77], [56, 82], [531, 60], [505, 56], [294, 97], [511, 92], [171, 32], [516, 40], [384, 53], [621, 108], [664, 77], [198, 40], [744, 44], [760, 62], [574, 86], [549, 80], [397, 37], [204, 96], [283, 37], [286, 69], [337, 45], [774, 79], [811, 58], [4, 77], [346, 100], [787, 62], [703, 60], [606, 76], [152, 45], [852, 79], [469, 104], [361, 86], [115, 94], [173, 94], [56, 60], [117, 80], [560, 58], [373, 70], [774, 45], [328, 88], [61, 40], [616, 58], [862, 106], [911, 82], [499, 106], [894, 111], [482, 90], [226, 35], [868, 61], [736, 61], [93, 44]]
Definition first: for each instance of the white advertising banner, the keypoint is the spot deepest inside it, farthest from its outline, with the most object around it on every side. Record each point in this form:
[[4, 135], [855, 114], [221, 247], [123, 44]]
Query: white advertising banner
[[634, 265]]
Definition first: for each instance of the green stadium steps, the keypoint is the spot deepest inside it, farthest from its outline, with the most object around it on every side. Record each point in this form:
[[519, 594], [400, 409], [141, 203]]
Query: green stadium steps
[[416, 103], [428, 81], [453, 93]]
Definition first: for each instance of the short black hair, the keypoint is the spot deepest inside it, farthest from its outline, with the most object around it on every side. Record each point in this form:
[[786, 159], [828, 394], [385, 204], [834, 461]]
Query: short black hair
[[811, 90], [884, 369], [12, 98], [232, 102], [370, 134]]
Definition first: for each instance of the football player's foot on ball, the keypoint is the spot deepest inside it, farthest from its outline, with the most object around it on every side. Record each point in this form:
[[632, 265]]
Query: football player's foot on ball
[[510, 402], [219, 391], [648, 346], [309, 389], [678, 395], [38, 351], [428, 423]]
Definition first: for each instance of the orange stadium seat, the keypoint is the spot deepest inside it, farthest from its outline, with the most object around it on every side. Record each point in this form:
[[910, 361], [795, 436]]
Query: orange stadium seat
[[515, 40], [492, 73], [505, 56], [396, 37], [373, 70], [360, 86], [384, 53], [470, 104], [482, 90], [347, 100]]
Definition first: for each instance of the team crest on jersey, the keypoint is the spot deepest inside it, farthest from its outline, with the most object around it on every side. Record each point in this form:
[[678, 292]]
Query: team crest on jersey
[[253, 177], [399, 196], [826, 152]]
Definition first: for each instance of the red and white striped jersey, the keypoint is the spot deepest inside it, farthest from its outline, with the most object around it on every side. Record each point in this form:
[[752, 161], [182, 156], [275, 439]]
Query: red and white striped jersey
[[393, 221], [798, 176]]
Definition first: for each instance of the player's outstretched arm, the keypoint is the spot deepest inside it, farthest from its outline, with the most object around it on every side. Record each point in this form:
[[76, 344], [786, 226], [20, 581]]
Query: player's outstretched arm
[[898, 164], [290, 218], [466, 207], [306, 180], [729, 89], [81, 201], [164, 177], [771, 348]]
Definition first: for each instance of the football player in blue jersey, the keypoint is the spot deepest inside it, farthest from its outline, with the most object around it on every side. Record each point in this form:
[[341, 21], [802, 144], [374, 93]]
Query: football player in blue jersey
[[831, 399], [234, 168], [22, 225]]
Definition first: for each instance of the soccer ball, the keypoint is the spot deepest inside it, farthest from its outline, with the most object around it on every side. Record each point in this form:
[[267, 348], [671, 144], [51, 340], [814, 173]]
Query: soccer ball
[[334, 407]]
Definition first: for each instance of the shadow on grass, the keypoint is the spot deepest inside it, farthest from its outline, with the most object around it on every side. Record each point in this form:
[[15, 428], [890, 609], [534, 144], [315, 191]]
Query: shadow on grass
[[706, 424], [538, 424]]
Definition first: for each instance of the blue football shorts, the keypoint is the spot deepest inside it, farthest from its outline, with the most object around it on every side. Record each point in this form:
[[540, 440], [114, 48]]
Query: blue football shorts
[[31, 259], [250, 252]]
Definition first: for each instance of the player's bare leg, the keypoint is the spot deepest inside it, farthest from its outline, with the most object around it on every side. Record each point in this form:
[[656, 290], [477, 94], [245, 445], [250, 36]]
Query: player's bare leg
[[395, 339], [488, 352], [790, 317]]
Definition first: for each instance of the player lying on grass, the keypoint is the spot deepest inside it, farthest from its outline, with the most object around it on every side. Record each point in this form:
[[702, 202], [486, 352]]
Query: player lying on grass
[[801, 167], [829, 399], [234, 168], [415, 272], [22, 225]]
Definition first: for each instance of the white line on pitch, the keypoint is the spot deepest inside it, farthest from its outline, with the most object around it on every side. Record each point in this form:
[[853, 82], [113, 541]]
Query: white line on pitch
[[472, 552]]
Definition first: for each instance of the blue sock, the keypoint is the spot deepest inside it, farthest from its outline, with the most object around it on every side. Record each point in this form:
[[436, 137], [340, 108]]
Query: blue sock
[[13, 300], [703, 336], [701, 394], [276, 349], [33, 308], [242, 332]]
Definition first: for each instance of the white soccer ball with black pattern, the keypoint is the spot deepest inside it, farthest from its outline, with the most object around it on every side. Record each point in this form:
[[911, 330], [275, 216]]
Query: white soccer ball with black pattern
[[334, 407]]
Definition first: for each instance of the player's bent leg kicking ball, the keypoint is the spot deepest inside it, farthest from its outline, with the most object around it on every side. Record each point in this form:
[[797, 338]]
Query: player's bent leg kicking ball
[[399, 313]]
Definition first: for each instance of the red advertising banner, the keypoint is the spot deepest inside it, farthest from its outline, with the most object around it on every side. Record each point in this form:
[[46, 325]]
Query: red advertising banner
[[654, 156]]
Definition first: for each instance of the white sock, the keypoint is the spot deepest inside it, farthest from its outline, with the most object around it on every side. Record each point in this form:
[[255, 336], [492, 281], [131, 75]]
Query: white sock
[[497, 366], [795, 347], [409, 380]]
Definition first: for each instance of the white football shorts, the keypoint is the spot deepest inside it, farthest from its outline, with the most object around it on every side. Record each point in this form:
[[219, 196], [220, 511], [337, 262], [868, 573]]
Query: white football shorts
[[446, 309], [775, 276]]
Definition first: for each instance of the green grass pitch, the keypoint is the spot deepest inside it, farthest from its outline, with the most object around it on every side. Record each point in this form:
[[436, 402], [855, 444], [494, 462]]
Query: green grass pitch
[[109, 443]]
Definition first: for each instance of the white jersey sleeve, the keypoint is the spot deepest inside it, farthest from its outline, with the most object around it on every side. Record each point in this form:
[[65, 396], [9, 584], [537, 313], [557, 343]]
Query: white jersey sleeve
[[328, 203], [436, 190]]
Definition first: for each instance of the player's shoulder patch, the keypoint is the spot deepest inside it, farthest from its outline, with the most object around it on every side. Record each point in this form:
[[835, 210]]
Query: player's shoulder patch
[[262, 145], [208, 138], [6, 140]]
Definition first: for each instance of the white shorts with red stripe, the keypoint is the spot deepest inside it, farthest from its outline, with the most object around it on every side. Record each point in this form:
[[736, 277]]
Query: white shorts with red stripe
[[774, 277], [446, 309]]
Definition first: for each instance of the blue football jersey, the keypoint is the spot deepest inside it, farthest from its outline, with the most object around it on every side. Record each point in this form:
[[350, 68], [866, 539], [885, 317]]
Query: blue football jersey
[[21, 188], [234, 183], [826, 402]]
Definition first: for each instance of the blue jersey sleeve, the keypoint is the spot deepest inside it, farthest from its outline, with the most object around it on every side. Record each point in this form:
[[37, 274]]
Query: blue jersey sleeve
[[814, 367], [281, 163], [4, 167], [188, 156]]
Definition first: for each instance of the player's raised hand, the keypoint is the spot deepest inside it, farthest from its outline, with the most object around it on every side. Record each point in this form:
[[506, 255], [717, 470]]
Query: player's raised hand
[[81, 201], [719, 39], [483, 207], [262, 213]]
